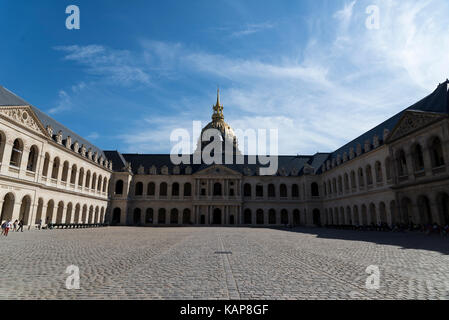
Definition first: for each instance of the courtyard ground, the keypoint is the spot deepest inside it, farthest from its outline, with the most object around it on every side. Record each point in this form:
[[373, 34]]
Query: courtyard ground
[[222, 263]]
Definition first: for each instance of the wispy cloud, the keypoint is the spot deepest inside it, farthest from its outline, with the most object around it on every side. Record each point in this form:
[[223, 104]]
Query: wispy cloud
[[251, 29], [64, 103]]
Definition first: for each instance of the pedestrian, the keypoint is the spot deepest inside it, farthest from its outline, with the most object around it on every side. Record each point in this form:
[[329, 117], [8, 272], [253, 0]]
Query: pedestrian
[[20, 225], [15, 225], [39, 224], [8, 226]]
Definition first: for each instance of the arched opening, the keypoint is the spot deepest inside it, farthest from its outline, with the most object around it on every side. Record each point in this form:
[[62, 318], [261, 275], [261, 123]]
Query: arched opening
[[46, 164], [348, 216], [139, 189], [436, 153], [401, 163], [8, 207], [284, 216], [202, 219], [364, 216], [97, 215], [355, 210], [105, 183], [187, 189], [91, 214], [283, 191], [186, 216], [24, 213], [94, 181], [65, 171], [100, 180], [418, 158], [340, 184], [102, 215], [81, 177], [259, 216], [315, 191], [174, 216], [443, 208], [119, 187], [116, 216], [217, 189], [425, 214], [87, 184], [296, 217], [271, 191], [76, 218], [346, 182], [55, 169], [259, 190], [393, 213], [247, 216], [216, 218], [175, 189], [32, 159], [151, 189], [342, 216], [68, 215], [161, 216], [316, 217], [50, 208], [330, 217], [361, 179], [272, 216], [388, 168], [231, 219], [406, 211], [84, 215], [40, 207], [353, 182], [73, 174], [373, 214], [383, 213], [378, 170], [136, 216], [16, 153], [2, 145], [149, 216], [295, 191], [163, 189]]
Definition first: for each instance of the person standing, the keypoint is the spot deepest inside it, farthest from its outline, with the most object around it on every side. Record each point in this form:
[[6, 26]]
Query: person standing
[[15, 225], [4, 227], [8, 226], [20, 225], [39, 224]]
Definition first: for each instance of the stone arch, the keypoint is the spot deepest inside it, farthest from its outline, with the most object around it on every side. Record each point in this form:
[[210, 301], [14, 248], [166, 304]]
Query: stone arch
[[259, 216], [247, 190], [186, 216], [65, 171], [295, 191], [272, 216], [138, 189], [216, 216], [119, 187], [316, 217], [105, 184], [87, 183], [46, 165], [372, 214], [175, 189], [116, 215], [32, 158], [94, 181], [91, 214], [401, 162], [163, 189], [436, 152], [102, 214], [271, 191], [174, 216], [81, 177], [137, 216], [68, 216], [73, 174], [161, 216], [342, 218], [84, 215], [353, 180], [149, 216], [97, 214], [364, 216], [2, 145], [314, 189], [406, 211], [151, 189], [383, 213], [55, 169], [16, 153], [40, 207], [393, 213], [424, 210], [284, 216], [50, 209], [25, 210], [443, 208], [417, 157], [378, 171], [348, 216], [355, 212], [283, 190], [8, 207], [76, 217], [187, 190], [296, 217]]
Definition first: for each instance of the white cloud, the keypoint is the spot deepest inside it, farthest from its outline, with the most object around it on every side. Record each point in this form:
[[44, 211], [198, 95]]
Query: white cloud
[[64, 103], [251, 29]]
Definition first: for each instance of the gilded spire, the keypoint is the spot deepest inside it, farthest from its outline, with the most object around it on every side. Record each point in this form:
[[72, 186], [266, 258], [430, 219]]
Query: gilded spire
[[218, 108]]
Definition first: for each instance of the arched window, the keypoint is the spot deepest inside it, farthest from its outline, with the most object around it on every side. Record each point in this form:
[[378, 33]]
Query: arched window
[[284, 216], [94, 181], [187, 189], [353, 181], [436, 153], [259, 216], [87, 179], [46, 164], [346, 182], [175, 189], [247, 217], [55, 170], [73, 174], [105, 183], [334, 185], [402, 163], [361, 180], [174, 216], [340, 184], [369, 175], [271, 191], [32, 159], [161, 216], [329, 187], [418, 158], [163, 189], [217, 189], [247, 190], [378, 169], [119, 187], [136, 217], [272, 216], [65, 171], [315, 190], [283, 191], [151, 189], [16, 153], [149, 216], [139, 189], [295, 191], [81, 177], [259, 190], [100, 180]]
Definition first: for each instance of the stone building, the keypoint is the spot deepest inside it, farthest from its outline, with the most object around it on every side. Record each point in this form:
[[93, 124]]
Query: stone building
[[396, 172]]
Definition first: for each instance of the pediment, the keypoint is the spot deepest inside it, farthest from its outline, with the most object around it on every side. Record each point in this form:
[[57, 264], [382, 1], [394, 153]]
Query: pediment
[[217, 170], [24, 116], [412, 121]]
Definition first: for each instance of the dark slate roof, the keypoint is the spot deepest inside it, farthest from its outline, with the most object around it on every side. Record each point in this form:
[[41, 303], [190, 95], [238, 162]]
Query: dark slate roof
[[159, 160], [7, 98], [437, 102]]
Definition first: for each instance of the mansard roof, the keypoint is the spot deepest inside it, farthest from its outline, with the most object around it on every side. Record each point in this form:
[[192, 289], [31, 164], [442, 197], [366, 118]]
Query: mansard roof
[[7, 98], [287, 165], [436, 102]]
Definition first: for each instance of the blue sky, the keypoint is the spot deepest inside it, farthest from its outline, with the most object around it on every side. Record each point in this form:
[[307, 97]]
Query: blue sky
[[136, 70]]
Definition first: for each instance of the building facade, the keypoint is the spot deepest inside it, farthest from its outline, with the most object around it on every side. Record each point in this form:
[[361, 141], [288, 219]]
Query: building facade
[[398, 172]]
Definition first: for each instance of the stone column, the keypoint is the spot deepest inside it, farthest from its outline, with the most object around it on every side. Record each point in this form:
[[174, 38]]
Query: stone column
[[24, 161], [6, 156]]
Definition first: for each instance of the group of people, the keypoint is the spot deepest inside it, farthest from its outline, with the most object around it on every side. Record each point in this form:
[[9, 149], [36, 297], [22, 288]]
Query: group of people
[[398, 227], [7, 225]]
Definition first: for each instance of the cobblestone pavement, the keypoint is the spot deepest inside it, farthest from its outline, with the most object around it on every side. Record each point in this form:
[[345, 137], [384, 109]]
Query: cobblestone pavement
[[222, 263]]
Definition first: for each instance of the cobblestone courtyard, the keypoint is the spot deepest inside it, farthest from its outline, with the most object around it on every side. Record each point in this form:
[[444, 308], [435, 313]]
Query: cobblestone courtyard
[[222, 263]]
